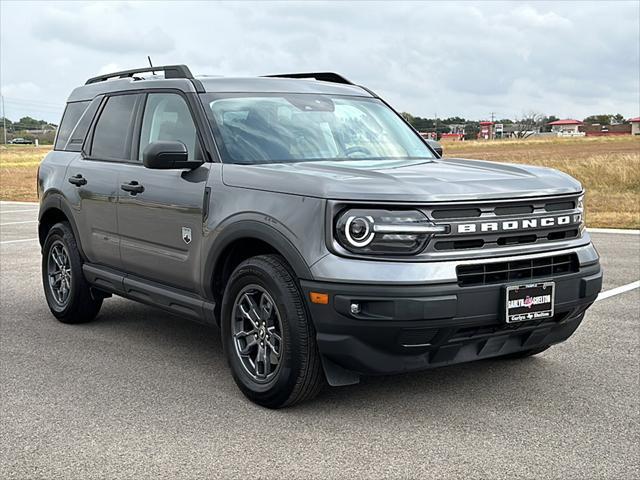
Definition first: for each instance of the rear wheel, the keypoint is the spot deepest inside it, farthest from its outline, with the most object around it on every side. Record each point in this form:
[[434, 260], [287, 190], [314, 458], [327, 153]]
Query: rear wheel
[[67, 292], [268, 338]]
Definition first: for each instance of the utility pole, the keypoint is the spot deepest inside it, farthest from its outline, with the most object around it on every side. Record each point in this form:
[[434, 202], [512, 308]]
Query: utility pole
[[4, 120], [492, 126]]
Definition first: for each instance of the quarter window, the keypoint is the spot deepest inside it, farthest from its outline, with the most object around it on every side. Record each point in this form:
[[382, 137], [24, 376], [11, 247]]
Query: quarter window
[[112, 135], [72, 114], [167, 118]]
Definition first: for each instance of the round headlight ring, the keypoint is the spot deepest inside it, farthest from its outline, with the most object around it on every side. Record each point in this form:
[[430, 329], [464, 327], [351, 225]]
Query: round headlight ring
[[366, 237]]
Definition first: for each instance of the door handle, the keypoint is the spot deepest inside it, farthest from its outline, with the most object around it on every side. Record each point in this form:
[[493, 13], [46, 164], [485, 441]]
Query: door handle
[[132, 187], [78, 180]]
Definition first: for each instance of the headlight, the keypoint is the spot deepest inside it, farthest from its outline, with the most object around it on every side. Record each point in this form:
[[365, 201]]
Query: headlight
[[580, 207], [402, 232]]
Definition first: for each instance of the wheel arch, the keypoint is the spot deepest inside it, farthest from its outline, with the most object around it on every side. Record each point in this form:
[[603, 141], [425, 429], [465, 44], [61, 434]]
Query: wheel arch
[[245, 239], [53, 209]]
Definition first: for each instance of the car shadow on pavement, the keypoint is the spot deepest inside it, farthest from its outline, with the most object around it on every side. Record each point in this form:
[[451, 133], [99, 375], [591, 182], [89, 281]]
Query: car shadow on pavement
[[197, 347]]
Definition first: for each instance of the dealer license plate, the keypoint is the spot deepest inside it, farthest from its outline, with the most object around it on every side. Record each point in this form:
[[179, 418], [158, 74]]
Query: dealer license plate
[[529, 302]]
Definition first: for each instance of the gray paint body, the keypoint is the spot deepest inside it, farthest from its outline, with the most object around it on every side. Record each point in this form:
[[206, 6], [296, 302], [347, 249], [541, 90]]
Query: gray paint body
[[283, 204]]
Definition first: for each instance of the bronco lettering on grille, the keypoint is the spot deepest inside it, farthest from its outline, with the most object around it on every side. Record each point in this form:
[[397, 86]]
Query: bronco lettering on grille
[[514, 225]]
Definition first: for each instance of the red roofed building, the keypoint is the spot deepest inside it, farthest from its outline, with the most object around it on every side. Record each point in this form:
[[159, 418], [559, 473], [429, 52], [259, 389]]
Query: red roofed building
[[486, 131], [566, 127], [635, 125]]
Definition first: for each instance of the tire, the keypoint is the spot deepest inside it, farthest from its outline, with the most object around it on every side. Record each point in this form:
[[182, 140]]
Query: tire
[[290, 371], [77, 304], [525, 353]]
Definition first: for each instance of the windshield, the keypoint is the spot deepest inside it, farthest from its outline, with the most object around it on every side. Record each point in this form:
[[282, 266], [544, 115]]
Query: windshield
[[277, 128]]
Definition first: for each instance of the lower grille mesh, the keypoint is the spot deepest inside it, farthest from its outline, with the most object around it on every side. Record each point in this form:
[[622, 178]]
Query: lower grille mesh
[[517, 270]]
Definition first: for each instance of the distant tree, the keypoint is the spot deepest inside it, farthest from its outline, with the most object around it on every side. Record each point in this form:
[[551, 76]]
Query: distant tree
[[528, 123], [617, 119], [440, 127], [604, 119], [408, 117], [453, 121], [8, 123], [471, 130], [545, 127], [29, 123], [506, 121]]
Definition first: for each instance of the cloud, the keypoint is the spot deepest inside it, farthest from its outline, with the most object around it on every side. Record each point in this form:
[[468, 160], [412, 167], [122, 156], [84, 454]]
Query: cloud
[[21, 90], [466, 59], [102, 27], [528, 16]]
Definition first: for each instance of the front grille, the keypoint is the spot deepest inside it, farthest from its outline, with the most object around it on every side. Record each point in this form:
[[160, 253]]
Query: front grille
[[505, 223], [509, 208], [516, 270]]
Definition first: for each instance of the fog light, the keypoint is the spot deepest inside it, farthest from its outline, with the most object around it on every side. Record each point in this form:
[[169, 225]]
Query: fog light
[[355, 308]]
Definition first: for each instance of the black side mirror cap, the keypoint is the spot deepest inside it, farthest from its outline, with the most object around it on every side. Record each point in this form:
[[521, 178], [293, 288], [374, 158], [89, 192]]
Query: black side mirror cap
[[436, 146], [168, 156]]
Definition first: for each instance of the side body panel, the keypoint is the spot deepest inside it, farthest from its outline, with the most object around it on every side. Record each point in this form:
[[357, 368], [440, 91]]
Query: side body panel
[[93, 206], [292, 224], [161, 228], [51, 174]]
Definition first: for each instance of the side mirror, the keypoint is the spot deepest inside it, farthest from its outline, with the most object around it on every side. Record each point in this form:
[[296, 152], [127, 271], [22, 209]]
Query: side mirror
[[438, 149], [168, 156], [437, 146]]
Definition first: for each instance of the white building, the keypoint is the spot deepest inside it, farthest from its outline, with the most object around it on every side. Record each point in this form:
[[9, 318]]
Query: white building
[[567, 127]]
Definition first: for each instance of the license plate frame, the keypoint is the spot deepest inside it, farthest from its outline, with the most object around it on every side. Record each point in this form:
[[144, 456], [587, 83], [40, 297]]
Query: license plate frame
[[529, 302]]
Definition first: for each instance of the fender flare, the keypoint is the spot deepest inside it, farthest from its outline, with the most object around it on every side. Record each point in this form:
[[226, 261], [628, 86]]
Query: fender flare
[[242, 229], [55, 200]]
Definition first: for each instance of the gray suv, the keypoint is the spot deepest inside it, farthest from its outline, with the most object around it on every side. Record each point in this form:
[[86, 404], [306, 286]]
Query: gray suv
[[303, 216]]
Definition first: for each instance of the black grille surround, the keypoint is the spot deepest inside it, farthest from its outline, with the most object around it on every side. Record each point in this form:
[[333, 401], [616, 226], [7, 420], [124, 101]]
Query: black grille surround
[[520, 270], [526, 217], [527, 234]]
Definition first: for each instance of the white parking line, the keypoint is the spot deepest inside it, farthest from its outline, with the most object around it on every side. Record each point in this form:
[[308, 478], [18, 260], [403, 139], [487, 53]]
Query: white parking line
[[11, 202], [18, 223], [614, 230], [19, 241], [618, 290], [18, 211]]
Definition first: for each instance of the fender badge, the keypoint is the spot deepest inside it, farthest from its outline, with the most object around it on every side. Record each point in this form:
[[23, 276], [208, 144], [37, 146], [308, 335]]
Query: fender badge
[[186, 235]]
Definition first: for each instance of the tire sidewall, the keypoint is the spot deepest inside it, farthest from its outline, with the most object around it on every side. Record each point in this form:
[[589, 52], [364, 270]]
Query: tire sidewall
[[62, 233], [277, 390]]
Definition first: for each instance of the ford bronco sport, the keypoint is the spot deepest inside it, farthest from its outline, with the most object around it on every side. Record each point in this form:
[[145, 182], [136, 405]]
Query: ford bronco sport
[[307, 219]]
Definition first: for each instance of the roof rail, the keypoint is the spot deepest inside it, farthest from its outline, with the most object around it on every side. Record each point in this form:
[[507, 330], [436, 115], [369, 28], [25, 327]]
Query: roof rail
[[322, 76], [170, 71]]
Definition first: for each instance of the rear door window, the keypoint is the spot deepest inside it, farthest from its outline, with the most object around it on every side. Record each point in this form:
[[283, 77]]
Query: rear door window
[[72, 114], [113, 130]]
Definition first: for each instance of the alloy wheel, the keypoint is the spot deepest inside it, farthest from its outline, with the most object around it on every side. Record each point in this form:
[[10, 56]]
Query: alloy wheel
[[257, 333], [59, 273]]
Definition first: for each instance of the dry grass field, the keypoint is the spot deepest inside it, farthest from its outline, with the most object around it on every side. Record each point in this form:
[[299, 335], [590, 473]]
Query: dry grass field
[[609, 168], [18, 168]]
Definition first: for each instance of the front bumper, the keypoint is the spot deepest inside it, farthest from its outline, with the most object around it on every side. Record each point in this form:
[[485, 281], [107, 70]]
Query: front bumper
[[403, 328]]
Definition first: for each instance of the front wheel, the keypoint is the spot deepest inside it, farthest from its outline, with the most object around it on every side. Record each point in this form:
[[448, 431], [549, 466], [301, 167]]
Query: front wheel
[[67, 292], [268, 338]]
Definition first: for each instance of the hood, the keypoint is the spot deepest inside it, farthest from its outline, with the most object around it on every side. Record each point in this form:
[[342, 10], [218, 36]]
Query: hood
[[441, 180]]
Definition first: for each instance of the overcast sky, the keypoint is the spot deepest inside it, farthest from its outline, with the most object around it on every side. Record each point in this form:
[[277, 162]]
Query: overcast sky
[[457, 58]]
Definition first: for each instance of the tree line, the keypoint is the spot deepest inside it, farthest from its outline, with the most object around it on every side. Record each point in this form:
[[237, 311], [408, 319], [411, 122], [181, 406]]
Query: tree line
[[29, 128], [527, 122]]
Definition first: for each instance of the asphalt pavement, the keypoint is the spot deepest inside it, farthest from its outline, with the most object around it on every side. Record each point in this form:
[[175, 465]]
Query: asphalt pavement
[[140, 393]]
